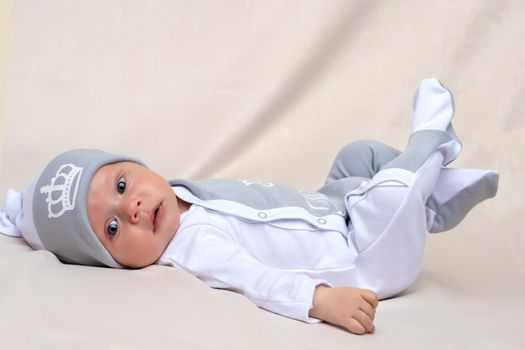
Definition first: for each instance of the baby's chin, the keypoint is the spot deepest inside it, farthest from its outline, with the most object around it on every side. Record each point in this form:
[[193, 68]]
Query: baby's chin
[[137, 263]]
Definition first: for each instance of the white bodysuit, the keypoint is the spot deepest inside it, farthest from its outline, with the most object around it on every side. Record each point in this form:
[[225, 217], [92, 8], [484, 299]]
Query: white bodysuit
[[278, 263], [275, 265], [275, 245]]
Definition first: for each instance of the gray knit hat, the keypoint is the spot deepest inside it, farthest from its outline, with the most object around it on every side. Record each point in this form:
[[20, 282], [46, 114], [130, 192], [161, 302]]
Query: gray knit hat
[[51, 214]]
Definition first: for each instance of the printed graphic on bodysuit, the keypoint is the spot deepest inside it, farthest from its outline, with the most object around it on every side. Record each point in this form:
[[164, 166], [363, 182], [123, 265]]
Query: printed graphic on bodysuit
[[314, 200], [319, 201], [62, 190], [250, 182]]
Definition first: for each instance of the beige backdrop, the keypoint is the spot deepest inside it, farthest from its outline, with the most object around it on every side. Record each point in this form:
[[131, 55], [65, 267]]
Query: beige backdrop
[[5, 15], [262, 90]]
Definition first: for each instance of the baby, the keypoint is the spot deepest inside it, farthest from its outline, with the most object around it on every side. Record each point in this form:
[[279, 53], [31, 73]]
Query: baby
[[326, 255]]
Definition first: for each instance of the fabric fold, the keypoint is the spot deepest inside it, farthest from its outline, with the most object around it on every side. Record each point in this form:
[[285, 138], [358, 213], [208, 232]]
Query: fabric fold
[[11, 214]]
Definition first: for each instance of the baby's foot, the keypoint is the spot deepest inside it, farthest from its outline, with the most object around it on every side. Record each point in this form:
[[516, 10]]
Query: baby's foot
[[433, 106], [433, 110], [458, 191]]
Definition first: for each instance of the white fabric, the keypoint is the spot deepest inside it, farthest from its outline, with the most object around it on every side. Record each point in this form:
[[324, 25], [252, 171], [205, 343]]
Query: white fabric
[[27, 224], [11, 213], [389, 226], [453, 180], [16, 216], [433, 106], [278, 264], [252, 259]]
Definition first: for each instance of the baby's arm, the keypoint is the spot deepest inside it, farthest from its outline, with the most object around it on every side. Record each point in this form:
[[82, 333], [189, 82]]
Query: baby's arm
[[209, 254], [351, 308]]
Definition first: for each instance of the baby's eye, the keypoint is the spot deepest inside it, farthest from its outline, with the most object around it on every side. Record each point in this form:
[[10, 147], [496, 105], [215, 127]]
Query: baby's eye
[[121, 185], [112, 228]]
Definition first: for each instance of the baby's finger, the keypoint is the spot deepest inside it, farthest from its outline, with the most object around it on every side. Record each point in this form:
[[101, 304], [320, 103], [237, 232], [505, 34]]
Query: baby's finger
[[364, 320], [370, 297], [354, 326], [368, 309]]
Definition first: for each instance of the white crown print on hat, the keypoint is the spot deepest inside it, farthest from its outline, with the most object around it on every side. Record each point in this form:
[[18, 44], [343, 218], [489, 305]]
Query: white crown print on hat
[[62, 190]]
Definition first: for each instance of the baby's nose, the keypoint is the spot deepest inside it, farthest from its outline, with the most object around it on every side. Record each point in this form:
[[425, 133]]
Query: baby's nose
[[134, 207]]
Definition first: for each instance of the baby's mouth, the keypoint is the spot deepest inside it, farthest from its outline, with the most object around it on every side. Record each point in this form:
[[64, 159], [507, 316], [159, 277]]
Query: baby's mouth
[[157, 217]]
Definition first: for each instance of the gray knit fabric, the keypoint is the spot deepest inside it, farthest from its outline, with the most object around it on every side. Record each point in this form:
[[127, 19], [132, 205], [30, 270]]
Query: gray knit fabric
[[60, 206]]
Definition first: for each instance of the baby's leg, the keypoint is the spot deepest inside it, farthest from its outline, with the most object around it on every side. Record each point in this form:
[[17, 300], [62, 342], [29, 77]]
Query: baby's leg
[[361, 158], [456, 193], [457, 190], [433, 110], [388, 226], [388, 217]]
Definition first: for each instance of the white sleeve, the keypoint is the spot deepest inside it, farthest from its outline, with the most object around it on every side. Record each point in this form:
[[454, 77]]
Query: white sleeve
[[207, 253]]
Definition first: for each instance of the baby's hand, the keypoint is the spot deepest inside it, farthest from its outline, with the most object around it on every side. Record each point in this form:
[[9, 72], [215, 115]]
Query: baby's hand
[[351, 308]]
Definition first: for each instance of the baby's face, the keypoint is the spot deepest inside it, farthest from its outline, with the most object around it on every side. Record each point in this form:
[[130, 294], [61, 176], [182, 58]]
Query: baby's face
[[133, 211]]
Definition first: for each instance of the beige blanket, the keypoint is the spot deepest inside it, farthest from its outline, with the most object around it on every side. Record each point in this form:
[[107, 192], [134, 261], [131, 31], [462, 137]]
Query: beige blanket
[[265, 90]]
